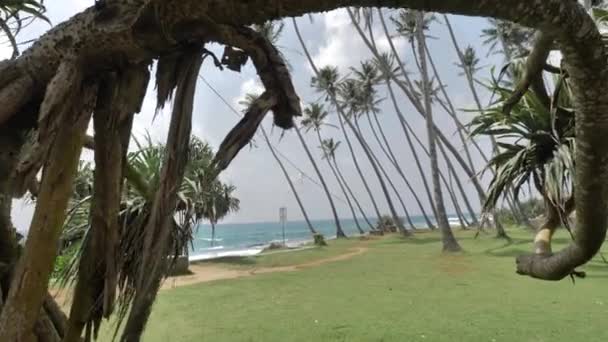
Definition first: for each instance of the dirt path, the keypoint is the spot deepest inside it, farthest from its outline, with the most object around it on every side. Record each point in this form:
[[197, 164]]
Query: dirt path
[[205, 273]]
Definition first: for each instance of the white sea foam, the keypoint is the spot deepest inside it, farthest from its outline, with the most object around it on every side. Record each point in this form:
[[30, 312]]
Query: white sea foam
[[222, 254], [208, 239]]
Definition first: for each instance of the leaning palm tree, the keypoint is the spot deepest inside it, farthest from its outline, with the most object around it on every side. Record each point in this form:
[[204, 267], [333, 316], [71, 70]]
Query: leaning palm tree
[[339, 232], [357, 101], [367, 77], [272, 32], [330, 147], [449, 242], [325, 79], [318, 237], [314, 118]]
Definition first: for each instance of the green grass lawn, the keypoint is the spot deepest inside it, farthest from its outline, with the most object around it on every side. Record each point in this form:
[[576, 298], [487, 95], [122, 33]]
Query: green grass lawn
[[400, 290]]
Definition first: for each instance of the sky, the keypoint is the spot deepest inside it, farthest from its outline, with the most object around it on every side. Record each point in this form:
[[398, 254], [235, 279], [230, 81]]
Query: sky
[[332, 40]]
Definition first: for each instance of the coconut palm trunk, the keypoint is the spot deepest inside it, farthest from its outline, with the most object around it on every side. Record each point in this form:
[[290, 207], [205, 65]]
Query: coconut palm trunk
[[212, 232], [407, 89], [390, 181], [342, 188], [352, 194], [449, 241], [342, 118], [339, 232], [346, 137], [471, 84], [312, 229], [388, 152]]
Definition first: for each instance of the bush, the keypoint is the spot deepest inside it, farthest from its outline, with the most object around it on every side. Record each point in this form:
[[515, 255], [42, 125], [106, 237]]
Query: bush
[[386, 224], [319, 240], [531, 208]]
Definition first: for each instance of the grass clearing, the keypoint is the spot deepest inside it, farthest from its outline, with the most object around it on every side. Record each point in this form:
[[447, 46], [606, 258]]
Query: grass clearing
[[399, 290]]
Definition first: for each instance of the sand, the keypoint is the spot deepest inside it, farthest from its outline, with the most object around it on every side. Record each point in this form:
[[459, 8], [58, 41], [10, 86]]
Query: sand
[[202, 273]]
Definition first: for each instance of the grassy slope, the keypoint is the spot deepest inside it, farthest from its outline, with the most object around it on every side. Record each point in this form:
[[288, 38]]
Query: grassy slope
[[400, 290]]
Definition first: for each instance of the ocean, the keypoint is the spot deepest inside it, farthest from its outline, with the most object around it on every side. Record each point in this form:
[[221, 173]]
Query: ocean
[[246, 239]]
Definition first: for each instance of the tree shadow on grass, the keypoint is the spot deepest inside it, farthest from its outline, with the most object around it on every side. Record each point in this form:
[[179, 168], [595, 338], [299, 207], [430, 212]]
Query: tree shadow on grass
[[231, 260], [507, 250], [508, 253], [415, 240]]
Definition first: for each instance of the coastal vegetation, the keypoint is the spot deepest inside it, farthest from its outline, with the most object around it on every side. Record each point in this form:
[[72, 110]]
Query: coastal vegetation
[[120, 221]]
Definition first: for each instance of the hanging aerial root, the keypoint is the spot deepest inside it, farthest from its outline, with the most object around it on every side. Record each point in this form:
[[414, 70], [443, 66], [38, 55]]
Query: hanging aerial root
[[244, 131], [535, 64], [119, 98], [54, 108], [29, 284], [270, 65], [152, 266]]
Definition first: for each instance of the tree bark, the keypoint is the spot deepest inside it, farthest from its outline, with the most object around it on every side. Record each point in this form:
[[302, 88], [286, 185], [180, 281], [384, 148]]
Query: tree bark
[[449, 242], [359, 133], [291, 185], [344, 192], [158, 228], [346, 138], [352, 194], [29, 285]]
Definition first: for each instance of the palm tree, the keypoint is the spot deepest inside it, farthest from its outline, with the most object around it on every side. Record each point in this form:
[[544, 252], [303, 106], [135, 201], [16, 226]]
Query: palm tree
[[247, 101], [314, 118], [339, 232], [272, 32], [324, 80], [469, 63], [351, 97], [218, 203], [449, 242], [367, 78], [330, 147]]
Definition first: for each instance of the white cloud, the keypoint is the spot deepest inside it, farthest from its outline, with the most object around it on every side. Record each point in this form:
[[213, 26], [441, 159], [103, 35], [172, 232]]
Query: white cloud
[[250, 86], [344, 47]]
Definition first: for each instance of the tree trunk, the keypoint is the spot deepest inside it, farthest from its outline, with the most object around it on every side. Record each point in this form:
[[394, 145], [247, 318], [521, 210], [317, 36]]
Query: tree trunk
[[156, 239], [458, 184], [212, 233], [344, 192], [412, 148], [29, 284], [449, 242], [385, 147], [346, 138], [352, 194], [384, 174], [11, 143], [343, 118], [339, 231], [471, 84], [291, 185]]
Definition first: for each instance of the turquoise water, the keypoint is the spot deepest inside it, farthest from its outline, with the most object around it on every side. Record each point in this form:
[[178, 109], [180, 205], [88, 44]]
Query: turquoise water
[[250, 238]]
